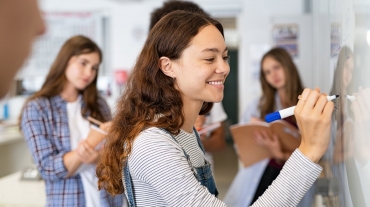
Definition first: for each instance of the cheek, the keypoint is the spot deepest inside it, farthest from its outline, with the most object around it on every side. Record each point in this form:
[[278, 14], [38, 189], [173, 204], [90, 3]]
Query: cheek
[[268, 78], [71, 73]]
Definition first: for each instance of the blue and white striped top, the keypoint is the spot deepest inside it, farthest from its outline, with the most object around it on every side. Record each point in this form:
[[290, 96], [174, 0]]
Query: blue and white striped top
[[161, 175]]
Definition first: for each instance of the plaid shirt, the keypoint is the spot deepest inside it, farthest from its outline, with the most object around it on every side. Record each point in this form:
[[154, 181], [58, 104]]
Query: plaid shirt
[[45, 127]]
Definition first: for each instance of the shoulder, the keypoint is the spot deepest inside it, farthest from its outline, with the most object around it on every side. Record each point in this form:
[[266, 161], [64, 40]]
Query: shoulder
[[39, 103], [153, 136], [153, 140]]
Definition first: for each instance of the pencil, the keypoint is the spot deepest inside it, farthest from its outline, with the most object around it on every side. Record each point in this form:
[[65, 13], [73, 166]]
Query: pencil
[[94, 120]]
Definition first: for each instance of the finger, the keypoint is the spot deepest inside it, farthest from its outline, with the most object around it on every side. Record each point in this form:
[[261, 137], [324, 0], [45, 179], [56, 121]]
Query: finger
[[275, 137], [264, 135], [88, 149], [317, 89], [328, 110], [258, 138], [81, 148], [311, 101], [320, 104], [302, 100], [258, 141]]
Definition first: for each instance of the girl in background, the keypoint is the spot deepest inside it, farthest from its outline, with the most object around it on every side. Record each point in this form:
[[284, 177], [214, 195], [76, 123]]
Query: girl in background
[[154, 154], [54, 125], [281, 85]]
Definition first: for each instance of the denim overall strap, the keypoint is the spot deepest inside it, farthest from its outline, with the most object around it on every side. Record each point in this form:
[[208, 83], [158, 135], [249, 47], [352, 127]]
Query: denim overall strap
[[186, 155], [199, 141], [129, 192], [203, 173]]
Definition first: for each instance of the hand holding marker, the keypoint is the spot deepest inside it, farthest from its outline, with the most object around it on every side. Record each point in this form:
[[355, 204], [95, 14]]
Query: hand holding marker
[[288, 111]]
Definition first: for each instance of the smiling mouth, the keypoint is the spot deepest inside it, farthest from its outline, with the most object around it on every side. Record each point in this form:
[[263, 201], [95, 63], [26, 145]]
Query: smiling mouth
[[215, 82]]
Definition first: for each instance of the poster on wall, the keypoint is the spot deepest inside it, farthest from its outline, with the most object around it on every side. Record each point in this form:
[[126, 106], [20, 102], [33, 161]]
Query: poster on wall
[[286, 36], [60, 26]]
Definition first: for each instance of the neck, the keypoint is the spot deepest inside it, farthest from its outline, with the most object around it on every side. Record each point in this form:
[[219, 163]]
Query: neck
[[282, 96], [69, 93], [191, 111]]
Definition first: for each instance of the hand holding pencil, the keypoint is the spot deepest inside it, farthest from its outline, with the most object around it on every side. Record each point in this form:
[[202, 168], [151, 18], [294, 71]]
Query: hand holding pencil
[[86, 152], [96, 134]]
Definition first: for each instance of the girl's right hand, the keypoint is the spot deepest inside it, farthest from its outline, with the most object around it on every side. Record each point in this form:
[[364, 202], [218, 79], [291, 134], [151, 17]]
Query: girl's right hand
[[105, 126], [313, 113], [86, 153]]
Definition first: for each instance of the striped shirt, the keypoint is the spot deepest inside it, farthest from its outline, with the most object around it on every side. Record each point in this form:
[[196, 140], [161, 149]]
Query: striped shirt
[[161, 175]]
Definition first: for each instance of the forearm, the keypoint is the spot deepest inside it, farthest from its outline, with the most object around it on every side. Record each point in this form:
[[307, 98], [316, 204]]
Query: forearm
[[296, 177], [71, 162]]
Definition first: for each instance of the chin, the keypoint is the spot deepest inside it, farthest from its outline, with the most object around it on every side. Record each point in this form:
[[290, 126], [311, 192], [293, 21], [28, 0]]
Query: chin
[[217, 100], [81, 88]]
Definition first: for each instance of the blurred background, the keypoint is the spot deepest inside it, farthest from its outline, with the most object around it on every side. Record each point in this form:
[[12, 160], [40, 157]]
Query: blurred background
[[313, 31]]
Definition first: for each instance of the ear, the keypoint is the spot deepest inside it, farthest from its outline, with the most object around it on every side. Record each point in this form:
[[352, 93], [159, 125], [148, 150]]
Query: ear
[[165, 64]]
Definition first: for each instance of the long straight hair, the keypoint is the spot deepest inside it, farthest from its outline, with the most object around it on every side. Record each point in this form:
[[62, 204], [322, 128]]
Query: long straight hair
[[345, 53], [293, 84], [150, 93], [56, 80]]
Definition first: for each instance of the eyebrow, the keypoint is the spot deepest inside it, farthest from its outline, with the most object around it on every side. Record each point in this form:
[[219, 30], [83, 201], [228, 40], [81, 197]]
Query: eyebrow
[[86, 60], [213, 50]]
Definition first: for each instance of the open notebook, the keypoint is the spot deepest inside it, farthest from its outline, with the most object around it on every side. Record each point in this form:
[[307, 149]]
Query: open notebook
[[250, 152]]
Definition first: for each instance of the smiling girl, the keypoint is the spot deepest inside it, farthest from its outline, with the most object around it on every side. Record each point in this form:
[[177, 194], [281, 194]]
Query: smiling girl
[[54, 125], [154, 154]]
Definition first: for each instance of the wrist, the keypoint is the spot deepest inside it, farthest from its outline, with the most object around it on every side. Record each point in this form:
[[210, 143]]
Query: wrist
[[312, 155]]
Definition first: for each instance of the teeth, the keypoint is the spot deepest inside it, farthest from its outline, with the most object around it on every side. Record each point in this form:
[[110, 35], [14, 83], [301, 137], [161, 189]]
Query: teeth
[[215, 82]]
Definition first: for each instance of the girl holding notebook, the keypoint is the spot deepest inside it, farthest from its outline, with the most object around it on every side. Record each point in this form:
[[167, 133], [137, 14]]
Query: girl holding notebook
[[281, 86], [55, 127]]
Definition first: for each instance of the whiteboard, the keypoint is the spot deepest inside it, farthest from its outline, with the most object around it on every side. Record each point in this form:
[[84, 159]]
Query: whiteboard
[[341, 49]]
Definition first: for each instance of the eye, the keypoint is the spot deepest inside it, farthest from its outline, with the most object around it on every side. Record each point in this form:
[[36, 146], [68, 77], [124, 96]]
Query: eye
[[95, 68], [227, 57], [83, 63], [210, 59]]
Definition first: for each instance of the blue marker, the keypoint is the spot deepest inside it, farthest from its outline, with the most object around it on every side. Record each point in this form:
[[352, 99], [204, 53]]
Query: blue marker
[[288, 111]]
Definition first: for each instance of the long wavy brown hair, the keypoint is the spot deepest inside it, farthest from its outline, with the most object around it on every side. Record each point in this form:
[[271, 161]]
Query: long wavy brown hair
[[293, 85], [150, 93], [56, 79]]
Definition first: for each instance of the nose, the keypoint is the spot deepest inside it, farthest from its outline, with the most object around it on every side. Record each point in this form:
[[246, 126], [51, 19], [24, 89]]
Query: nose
[[89, 72], [223, 67]]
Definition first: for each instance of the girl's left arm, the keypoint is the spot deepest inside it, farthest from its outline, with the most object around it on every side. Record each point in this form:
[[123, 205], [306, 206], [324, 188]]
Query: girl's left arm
[[36, 131]]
